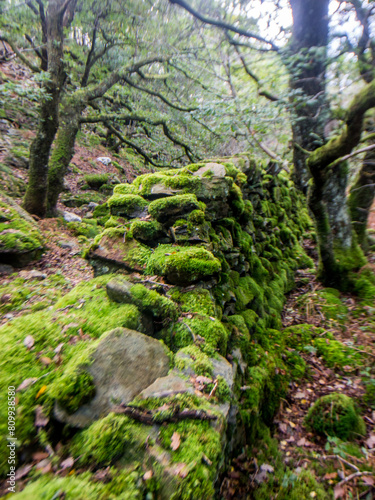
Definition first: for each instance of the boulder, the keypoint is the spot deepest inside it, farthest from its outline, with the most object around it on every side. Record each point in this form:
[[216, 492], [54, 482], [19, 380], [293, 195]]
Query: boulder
[[125, 363], [20, 238]]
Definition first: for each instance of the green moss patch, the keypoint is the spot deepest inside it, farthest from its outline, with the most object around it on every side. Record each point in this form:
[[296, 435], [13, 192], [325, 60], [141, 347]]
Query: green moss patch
[[335, 415]]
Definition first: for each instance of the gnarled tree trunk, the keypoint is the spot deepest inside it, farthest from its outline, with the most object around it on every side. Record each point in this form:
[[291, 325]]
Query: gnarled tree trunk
[[36, 193]]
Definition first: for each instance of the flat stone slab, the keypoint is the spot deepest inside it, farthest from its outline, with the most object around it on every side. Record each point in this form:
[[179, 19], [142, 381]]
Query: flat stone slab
[[125, 363], [167, 386], [217, 170]]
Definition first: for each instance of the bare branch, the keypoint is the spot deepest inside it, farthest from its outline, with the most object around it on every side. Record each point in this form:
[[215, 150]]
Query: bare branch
[[222, 24]]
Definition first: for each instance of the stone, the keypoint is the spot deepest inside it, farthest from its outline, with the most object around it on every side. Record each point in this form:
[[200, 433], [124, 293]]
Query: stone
[[125, 363], [167, 386], [217, 169], [70, 217], [6, 269], [92, 205], [223, 368], [104, 159], [20, 238], [32, 275], [117, 254], [161, 191], [70, 245]]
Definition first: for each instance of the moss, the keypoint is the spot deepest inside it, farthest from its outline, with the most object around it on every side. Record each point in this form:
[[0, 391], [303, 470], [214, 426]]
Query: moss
[[95, 181], [78, 200], [197, 439], [196, 217], [150, 301], [173, 207], [369, 396], [101, 210], [196, 301], [126, 204], [183, 265], [199, 361], [246, 291], [107, 440], [211, 330], [251, 319], [299, 336], [146, 231], [336, 354], [124, 189], [87, 308], [88, 229], [335, 415]]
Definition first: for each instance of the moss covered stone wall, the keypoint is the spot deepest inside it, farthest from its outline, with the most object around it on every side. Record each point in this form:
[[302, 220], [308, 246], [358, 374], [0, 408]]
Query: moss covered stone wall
[[199, 258]]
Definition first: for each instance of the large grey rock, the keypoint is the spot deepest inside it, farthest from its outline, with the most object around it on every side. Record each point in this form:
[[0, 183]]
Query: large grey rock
[[70, 217], [124, 363]]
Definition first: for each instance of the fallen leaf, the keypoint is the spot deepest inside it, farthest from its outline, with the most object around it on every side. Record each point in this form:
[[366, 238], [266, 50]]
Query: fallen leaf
[[368, 480], [203, 380], [40, 455], [175, 441], [339, 491], [43, 464], [45, 360], [266, 468], [29, 341], [330, 475], [292, 425], [41, 391], [58, 348], [370, 442], [40, 419], [23, 471], [313, 494], [26, 383], [299, 395], [148, 475], [283, 428], [181, 470], [67, 463]]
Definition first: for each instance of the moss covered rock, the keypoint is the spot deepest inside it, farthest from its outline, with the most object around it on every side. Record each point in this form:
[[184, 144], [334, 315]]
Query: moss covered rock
[[335, 415], [20, 238]]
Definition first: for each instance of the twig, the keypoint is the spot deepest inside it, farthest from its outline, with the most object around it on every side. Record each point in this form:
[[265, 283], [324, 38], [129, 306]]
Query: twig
[[150, 418], [353, 476]]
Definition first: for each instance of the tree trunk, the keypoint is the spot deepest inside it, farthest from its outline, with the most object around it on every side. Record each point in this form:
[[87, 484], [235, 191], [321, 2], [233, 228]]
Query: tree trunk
[[306, 58], [63, 152], [36, 193], [361, 198]]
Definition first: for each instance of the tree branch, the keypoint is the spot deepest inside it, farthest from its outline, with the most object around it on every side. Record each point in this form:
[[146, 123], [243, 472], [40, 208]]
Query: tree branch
[[159, 96], [222, 24], [19, 54]]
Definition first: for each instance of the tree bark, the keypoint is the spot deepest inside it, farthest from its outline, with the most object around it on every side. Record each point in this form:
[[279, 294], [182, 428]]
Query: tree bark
[[63, 152], [306, 59], [35, 197], [362, 197]]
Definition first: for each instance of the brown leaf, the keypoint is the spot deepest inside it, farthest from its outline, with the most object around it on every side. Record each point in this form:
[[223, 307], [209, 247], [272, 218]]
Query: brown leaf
[[44, 464], [368, 480], [45, 360], [176, 441], [300, 395], [330, 475], [148, 475], [58, 348], [266, 468], [181, 470], [26, 383], [283, 428], [40, 419], [339, 491], [370, 442], [29, 341], [23, 471], [67, 463], [40, 455]]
